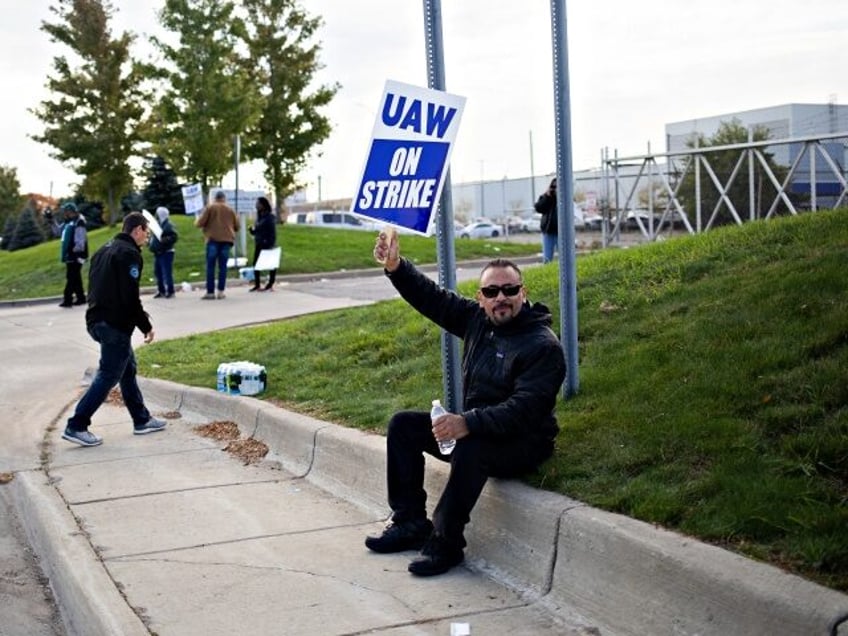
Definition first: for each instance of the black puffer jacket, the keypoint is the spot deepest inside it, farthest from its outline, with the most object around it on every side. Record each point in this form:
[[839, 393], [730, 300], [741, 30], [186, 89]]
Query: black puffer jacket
[[547, 207], [113, 280], [511, 373]]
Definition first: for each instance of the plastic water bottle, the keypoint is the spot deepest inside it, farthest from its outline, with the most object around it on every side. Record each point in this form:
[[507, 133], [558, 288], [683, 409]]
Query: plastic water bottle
[[445, 446]]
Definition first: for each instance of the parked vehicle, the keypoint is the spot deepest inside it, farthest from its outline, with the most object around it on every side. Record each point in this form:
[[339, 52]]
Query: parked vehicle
[[482, 229], [330, 219], [592, 222], [531, 223]]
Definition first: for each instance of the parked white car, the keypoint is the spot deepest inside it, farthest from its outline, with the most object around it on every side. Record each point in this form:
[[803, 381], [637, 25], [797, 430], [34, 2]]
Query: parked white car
[[482, 229], [531, 224]]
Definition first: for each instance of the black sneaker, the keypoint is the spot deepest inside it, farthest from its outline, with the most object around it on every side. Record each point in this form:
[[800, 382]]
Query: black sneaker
[[437, 557], [397, 537]]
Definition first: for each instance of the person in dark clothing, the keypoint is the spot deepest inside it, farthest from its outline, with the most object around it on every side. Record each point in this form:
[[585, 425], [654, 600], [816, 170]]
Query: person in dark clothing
[[513, 367], [73, 253], [163, 254], [264, 237], [114, 311], [547, 207]]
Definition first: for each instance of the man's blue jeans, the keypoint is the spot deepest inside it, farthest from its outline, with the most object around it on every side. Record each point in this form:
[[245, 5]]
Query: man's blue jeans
[[117, 366], [217, 253], [163, 269]]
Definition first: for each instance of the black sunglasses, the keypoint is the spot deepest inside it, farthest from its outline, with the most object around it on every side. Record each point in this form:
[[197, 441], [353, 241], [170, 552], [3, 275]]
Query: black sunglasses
[[509, 291]]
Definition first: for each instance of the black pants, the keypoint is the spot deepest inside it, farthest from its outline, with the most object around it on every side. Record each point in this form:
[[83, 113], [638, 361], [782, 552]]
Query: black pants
[[473, 461], [73, 283], [257, 278]]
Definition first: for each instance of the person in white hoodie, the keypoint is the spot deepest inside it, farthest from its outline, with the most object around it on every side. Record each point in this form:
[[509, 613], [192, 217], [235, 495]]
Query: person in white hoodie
[[163, 254]]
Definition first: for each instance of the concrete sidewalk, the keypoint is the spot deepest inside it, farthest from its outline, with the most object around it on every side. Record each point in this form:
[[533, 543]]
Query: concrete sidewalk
[[167, 534]]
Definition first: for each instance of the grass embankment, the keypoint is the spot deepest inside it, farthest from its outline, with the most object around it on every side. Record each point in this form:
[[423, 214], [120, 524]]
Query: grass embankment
[[36, 272], [713, 384]]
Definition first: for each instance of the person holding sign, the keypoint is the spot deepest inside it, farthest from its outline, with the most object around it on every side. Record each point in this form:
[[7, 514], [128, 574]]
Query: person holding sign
[[162, 247], [513, 368], [264, 238]]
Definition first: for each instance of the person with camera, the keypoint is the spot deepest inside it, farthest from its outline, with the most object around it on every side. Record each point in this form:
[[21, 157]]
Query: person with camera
[[547, 207], [513, 368]]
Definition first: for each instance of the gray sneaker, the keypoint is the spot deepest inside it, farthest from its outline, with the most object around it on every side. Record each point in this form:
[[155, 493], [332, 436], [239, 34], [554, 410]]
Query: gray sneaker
[[83, 438], [150, 426], [208, 296], [221, 295]]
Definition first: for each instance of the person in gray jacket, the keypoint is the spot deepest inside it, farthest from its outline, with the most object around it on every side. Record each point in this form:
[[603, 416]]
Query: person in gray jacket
[[163, 254], [513, 367]]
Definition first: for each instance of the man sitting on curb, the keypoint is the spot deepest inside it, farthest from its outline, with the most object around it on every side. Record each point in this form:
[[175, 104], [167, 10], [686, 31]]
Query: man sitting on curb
[[114, 311], [513, 367]]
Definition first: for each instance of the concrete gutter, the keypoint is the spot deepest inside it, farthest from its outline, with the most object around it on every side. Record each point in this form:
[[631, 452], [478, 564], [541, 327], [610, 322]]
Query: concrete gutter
[[611, 570], [89, 600]]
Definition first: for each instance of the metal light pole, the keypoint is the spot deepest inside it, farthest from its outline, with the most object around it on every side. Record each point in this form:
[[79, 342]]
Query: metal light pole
[[242, 232], [565, 196], [451, 377]]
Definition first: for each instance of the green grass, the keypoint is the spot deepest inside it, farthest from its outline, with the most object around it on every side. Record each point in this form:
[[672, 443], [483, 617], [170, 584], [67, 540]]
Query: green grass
[[713, 383], [36, 272]]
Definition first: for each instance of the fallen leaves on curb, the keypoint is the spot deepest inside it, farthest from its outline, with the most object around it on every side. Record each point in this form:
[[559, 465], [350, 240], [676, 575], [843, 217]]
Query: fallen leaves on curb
[[221, 431], [5, 478], [248, 450]]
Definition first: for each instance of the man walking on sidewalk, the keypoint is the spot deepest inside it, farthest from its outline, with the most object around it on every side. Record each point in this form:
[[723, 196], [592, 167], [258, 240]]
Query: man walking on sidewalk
[[114, 311]]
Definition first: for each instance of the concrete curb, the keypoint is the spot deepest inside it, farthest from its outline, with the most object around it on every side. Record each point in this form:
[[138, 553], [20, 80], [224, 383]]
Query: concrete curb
[[89, 602], [611, 570]]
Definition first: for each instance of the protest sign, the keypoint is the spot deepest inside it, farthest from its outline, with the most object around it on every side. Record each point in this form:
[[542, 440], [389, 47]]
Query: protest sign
[[193, 198], [410, 151]]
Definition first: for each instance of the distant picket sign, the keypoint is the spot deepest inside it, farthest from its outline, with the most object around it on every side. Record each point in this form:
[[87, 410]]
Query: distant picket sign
[[409, 156], [193, 198]]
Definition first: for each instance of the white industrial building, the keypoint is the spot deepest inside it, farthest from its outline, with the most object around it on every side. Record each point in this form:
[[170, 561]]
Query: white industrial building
[[787, 121]]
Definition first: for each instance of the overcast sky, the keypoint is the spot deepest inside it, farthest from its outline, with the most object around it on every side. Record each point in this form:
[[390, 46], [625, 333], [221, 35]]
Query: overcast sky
[[633, 65]]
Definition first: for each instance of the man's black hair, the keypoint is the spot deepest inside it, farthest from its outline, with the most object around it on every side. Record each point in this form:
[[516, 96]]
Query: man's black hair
[[502, 263], [132, 221]]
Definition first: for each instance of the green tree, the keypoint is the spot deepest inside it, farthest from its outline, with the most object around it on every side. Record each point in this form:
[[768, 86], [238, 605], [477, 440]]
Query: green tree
[[283, 61], [162, 187], [28, 231], [8, 231], [208, 97], [10, 194], [92, 123], [723, 163]]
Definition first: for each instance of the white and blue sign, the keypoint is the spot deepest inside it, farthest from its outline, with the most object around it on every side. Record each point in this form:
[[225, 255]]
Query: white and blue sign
[[193, 198], [408, 160]]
